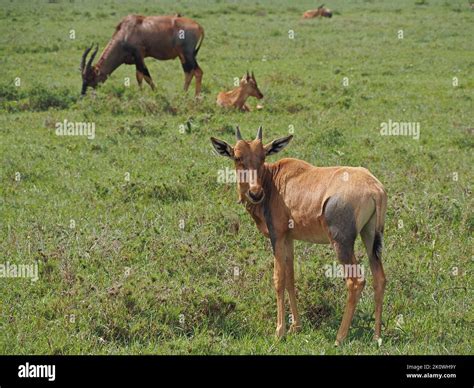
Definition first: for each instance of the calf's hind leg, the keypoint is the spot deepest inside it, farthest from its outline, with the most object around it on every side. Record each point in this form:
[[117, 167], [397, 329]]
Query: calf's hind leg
[[373, 245], [339, 220], [354, 285]]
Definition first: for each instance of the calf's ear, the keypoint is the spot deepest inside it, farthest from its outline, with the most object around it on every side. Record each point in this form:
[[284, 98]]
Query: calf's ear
[[277, 145], [222, 148]]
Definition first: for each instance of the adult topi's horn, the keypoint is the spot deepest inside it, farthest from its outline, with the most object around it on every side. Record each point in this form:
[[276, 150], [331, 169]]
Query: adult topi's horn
[[259, 134], [91, 59], [84, 56]]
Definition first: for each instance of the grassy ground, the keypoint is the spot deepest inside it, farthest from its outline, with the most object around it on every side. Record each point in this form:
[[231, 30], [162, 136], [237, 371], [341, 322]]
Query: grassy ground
[[148, 266]]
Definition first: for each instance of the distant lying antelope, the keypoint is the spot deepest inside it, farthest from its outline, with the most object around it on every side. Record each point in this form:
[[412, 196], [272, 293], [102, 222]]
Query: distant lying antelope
[[137, 37], [320, 11], [293, 200], [236, 97]]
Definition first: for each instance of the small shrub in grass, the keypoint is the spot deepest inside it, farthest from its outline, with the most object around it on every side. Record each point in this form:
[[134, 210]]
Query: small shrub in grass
[[39, 98], [9, 92], [332, 138], [42, 98], [165, 193]]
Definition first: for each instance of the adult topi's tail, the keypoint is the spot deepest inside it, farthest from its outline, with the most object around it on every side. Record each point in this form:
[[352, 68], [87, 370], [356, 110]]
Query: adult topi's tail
[[196, 50]]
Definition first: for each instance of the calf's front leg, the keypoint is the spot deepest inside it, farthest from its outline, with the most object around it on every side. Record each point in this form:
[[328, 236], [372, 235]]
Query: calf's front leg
[[290, 286], [279, 280], [245, 108]]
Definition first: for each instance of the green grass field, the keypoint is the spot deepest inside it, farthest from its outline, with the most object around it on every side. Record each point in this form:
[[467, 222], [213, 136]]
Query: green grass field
[[145, 265]]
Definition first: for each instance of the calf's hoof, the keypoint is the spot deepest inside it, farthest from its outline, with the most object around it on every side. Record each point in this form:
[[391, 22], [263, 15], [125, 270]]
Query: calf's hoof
[[280, 332], [378, 340], [295, 328], [339, 341]]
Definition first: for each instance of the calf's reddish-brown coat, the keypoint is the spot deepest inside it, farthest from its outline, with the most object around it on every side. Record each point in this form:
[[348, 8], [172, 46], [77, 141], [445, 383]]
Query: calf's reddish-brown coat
[[236, 97], [320, 11], [293, 200]]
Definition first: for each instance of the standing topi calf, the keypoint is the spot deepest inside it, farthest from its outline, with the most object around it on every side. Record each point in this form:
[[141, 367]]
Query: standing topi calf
[[236, 97], [138, 37], [293, 200]]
